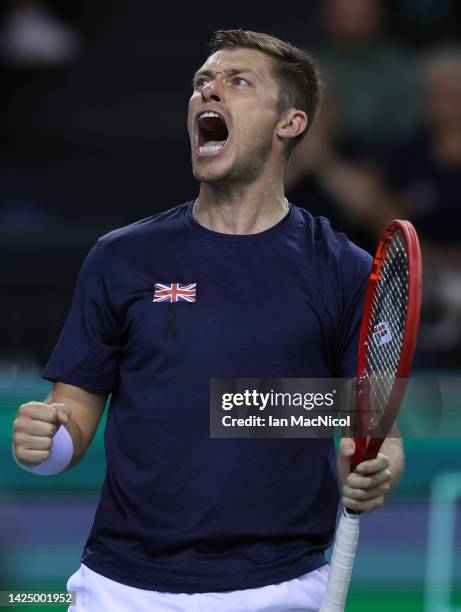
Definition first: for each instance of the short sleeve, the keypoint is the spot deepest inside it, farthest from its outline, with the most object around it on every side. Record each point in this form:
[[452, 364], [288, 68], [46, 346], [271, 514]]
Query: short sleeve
[[87, 352], [354, 270], [347, 346]]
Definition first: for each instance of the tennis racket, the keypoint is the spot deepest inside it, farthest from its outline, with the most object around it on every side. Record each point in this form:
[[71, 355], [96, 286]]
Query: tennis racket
[[386, 346]]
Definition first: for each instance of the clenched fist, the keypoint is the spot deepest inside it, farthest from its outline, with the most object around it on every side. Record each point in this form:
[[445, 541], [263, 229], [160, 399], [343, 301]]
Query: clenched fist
[[34, 428]]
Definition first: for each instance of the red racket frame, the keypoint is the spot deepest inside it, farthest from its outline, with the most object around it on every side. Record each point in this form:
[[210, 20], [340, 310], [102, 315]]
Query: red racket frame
[[364, 450]]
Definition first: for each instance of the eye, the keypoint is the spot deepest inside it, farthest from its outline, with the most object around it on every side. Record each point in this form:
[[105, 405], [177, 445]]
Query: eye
[[200, 82], [241, 82]]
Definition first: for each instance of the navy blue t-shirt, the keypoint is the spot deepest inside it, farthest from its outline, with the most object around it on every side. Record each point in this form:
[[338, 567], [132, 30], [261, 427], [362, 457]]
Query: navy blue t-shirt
[[181, 512]]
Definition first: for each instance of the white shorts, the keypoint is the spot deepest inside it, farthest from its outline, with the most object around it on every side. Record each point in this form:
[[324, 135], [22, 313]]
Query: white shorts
[[98, 593]]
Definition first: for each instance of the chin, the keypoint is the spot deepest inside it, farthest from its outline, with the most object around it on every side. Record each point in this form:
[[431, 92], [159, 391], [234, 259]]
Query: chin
[[210, 173]]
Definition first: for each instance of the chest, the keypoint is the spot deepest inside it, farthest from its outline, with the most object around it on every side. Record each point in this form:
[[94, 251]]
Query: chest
[[239, 310]]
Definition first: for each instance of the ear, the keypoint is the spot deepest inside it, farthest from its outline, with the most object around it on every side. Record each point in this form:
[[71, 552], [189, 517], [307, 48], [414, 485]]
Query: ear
[[292, 124]]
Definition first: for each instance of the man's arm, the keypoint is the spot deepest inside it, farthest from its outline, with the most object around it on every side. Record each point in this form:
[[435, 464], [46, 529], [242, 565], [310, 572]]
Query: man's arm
[[36, 423], [367, 488]]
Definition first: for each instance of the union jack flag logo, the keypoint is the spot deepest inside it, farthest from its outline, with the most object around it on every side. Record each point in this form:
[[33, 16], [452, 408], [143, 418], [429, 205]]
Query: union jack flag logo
[[174, 292]]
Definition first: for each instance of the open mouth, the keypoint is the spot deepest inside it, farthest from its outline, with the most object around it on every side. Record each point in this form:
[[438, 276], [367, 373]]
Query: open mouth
[[212, 133]]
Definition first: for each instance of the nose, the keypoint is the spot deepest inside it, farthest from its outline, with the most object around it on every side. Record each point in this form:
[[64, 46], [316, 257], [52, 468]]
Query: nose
[[212, 91]]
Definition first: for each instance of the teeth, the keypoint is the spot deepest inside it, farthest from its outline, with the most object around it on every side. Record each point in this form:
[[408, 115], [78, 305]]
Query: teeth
[[209, 114], [210, 149]]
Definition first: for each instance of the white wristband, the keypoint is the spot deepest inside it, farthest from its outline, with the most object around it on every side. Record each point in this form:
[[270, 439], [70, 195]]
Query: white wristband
[[62, 450]]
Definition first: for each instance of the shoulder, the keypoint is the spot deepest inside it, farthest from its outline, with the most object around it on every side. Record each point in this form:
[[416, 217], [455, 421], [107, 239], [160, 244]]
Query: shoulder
[[331, 247], [158, 226], [338, 245]]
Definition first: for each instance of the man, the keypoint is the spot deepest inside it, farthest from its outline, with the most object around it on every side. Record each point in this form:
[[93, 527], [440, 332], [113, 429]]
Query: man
[[238, 283], [356, 49], [424, 177]]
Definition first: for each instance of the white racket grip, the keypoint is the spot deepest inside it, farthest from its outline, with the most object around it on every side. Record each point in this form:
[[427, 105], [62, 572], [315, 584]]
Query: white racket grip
[[342, 562]]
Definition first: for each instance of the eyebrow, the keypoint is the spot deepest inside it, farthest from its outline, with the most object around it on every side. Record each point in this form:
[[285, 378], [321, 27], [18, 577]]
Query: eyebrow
[[227, 72]]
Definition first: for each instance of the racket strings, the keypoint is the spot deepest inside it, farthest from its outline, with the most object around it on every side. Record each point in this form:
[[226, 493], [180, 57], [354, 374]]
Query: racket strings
[[386, 328]]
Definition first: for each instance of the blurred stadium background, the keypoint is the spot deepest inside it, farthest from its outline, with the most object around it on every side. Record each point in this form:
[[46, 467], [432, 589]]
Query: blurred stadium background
[[93, 136]]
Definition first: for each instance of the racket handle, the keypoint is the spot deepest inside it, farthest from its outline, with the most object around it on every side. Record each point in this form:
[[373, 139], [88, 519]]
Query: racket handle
[[342, 561]]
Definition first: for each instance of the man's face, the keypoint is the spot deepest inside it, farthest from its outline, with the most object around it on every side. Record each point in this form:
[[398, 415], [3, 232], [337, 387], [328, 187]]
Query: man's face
[[232, 115]]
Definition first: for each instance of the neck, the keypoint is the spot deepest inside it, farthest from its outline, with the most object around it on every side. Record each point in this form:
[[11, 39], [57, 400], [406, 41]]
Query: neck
[[241, 209]]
